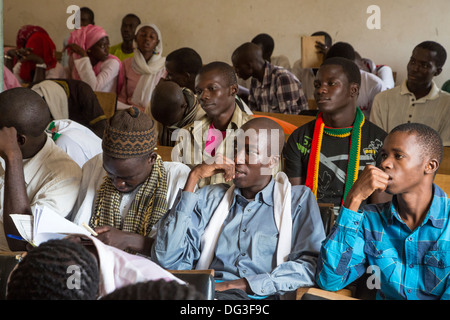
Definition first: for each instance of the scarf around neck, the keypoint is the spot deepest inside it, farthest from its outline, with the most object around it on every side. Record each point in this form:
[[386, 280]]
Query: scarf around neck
[[353, 158]]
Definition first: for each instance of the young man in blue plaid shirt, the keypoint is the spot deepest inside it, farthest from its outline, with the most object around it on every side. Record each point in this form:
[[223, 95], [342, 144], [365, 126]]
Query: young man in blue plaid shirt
[[407, 239]]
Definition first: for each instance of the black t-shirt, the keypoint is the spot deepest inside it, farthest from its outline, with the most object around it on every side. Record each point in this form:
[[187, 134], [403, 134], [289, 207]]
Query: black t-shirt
[[333, 158]]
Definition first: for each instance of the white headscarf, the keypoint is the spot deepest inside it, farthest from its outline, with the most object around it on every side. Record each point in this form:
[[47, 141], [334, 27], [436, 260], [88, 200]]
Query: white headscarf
[[149, 71], [56, 98]]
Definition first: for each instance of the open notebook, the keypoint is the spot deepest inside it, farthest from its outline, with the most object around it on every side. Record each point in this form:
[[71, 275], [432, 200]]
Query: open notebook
[[44, 225]]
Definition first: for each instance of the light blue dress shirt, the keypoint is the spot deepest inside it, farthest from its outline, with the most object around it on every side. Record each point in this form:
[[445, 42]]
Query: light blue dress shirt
[[409, 264], [248, 242]]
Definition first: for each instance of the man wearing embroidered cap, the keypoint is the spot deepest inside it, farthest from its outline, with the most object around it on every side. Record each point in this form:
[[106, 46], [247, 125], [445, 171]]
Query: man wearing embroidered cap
[[328, 153], [124, 191]]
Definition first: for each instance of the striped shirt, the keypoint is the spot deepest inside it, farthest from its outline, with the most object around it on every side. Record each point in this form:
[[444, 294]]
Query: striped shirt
[[408, 264], [280, 92]]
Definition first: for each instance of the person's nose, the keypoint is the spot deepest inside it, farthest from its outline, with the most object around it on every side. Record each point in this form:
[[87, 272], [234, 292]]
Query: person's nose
[[386, 163]]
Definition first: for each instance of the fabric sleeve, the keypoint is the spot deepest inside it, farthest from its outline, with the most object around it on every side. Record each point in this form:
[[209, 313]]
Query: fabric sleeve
[[290, 96], [293, 156], [342, 259], [106, 79]]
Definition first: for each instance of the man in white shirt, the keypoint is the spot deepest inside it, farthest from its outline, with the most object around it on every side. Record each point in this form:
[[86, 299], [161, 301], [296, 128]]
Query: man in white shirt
[[418, 98], [34, 170]]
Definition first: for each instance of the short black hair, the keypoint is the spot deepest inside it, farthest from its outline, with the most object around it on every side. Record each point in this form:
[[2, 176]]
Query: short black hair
[[267, 43], [328, 40], [223, 68], [186, 60], [44, 274], [429, 139], [89, 12], [155, 290], [132, 15], [441, 53], [341, 49], [349, 67]]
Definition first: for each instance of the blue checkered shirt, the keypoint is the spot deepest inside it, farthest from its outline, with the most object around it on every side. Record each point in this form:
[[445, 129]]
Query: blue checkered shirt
[[410, 264]]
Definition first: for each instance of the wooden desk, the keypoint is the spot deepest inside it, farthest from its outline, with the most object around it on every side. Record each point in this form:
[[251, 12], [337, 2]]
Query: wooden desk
[[443, 181], [295, 119]]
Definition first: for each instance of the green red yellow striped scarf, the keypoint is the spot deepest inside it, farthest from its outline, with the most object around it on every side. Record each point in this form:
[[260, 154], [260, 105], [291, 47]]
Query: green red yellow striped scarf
[[353, 157]]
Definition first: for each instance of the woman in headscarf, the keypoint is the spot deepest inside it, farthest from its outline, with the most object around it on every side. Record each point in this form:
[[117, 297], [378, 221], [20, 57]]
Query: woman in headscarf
[[90, 60], [34, 58], [143, 71]]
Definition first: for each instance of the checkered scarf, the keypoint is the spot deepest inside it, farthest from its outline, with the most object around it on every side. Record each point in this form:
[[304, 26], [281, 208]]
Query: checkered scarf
[[149, 205]]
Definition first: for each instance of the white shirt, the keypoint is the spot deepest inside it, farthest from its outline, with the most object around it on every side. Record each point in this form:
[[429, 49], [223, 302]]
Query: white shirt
[[52, 179], [93, 174], [399, 105], [80, 143], [371, 85], [105, 81], [119, 268]]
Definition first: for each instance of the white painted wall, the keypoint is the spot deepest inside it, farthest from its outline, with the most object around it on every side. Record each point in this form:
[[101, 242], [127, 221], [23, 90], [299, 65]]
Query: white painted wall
[[216, 27]]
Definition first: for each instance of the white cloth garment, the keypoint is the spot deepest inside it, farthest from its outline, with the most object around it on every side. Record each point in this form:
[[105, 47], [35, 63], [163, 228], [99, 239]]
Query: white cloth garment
[[282, 216], [148, 70], [55, 96]]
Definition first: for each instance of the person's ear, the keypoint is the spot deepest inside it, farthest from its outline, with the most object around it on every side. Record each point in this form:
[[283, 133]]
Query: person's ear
[[431, 166], [354, 90], [152, 158], [438, 72], [21, 139], [234, 89]]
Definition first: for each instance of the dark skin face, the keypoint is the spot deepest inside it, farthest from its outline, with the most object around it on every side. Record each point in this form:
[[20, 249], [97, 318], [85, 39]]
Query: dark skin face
[[147, 40], [128, 28], [422, 69], [217, 97], [99, 51], [335, 96], [128, 174]]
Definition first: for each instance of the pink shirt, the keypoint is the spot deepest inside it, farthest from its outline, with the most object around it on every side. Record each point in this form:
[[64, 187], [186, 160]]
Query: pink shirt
[[214, 139]]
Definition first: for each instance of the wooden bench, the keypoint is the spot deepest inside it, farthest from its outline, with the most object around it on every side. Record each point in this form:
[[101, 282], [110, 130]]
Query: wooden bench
[[108, 102], [443, 181], [165, 152], [295, 119]]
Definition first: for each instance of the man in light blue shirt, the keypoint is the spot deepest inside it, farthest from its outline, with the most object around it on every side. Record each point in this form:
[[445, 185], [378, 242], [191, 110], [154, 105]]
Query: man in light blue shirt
[[261, 235], [405, 242]]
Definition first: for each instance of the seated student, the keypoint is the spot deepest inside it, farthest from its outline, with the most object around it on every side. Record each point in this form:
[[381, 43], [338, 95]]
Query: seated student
[[406, 238], [273, 88], [216, 88], [267, 45], [173, 108], [49, 271], [34, 171], [125, 49], [87, 16], [74, 100], [370, 86], [308, 75], [269, 250], [34, 58], [126, 189], [182, 67], [382, 71], [80, 143], [418, 98], [328, 153], [91, 62], [144, 70]]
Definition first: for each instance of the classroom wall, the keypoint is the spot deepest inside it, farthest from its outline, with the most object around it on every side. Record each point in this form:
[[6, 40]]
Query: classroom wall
[[216, 27]]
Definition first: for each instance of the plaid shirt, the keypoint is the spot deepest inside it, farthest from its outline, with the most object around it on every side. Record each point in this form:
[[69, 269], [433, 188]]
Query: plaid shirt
[[410, 264], [279, 92]]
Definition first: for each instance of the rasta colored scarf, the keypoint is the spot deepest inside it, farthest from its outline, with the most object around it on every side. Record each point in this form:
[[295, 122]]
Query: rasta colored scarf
[[353, 157], [149, 205]]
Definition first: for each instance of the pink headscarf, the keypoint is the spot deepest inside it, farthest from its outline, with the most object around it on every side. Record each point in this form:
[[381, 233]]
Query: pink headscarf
[[86, 37]]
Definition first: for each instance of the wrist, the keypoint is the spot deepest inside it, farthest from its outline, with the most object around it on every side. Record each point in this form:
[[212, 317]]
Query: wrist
[[353, 202]]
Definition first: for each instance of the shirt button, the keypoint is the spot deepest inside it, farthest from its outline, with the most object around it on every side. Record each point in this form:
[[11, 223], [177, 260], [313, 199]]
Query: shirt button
[[409, 290], [410, 239], [411, 265], [243, 254], [244, 230], [356, 222]]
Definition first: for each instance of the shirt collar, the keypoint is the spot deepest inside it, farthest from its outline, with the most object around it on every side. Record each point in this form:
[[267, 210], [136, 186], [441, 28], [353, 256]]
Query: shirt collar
[[432, 95], [265, 195], [436, 215]]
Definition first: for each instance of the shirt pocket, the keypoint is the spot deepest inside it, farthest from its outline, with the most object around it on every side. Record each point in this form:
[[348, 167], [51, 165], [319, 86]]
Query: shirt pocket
[[264, 246], [436, 269], [384, 257]]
